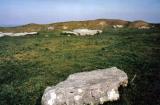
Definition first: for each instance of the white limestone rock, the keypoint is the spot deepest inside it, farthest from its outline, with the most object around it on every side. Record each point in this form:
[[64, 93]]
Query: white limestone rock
[[17, 34], [87, 88], [82, 32], [144, 27], [50, 28], [69, 33], [118, 26], [1, 34]]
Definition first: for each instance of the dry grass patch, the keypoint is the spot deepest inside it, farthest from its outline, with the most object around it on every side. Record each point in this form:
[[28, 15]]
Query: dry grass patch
[[28, 55]]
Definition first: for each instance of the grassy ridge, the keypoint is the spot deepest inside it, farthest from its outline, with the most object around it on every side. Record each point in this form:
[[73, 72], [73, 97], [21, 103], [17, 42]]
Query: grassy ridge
[[29, 64], [70, 25]]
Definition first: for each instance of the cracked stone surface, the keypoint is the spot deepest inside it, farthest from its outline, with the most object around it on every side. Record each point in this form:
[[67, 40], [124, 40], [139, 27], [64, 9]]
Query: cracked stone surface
[[82, 32], [87, 88]]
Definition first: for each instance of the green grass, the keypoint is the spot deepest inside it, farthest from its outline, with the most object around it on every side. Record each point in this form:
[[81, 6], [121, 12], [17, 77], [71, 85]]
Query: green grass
[[29, 64]]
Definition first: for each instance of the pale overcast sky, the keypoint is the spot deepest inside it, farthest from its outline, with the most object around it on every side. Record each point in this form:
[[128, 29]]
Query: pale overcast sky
[[18, 12]]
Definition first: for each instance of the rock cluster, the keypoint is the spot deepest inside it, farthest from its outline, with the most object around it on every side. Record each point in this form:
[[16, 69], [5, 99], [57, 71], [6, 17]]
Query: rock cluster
[[50, 28], [87, 88], [143, 27], [82, 32], [17, 34], [118, 26]]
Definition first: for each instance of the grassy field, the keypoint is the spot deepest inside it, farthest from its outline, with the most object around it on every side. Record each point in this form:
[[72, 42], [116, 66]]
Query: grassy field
[[31, 63]]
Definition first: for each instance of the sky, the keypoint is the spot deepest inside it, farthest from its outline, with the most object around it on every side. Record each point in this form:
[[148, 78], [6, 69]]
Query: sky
[[19, 12]]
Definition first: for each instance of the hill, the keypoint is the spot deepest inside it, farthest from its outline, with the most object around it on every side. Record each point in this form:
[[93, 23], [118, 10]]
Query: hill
[[91, 24]]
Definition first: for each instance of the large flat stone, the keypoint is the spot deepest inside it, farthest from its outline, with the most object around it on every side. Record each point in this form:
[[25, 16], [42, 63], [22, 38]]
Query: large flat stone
[[87, 88], [82, 32], [17, 34]]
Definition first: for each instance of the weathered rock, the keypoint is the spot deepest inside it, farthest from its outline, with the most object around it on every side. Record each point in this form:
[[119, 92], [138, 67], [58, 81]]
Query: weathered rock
[[87, 88], [69, 33], [82, 32], [1, 34], [144, 27], [64, 27], [17, 34], [50, 28], [118, 26]]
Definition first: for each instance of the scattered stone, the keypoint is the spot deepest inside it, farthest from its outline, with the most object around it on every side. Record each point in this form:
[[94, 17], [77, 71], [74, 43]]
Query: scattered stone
[[102, 23], [69, 33], [50, 28], [82, 32], [87, 88], [118, 26], [64, 27], [17, 34], [1, 34], [144, 27]]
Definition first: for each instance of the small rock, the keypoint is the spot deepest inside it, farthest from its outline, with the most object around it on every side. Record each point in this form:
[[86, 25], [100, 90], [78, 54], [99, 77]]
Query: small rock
[[118, 26], [50, 28]]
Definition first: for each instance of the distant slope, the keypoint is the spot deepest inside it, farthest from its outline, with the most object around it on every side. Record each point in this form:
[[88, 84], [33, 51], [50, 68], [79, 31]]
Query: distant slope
[[137, 24], [91, 24]]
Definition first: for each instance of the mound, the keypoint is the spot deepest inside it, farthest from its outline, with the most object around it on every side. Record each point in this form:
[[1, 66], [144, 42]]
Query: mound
[[71, 25], [139, 24]]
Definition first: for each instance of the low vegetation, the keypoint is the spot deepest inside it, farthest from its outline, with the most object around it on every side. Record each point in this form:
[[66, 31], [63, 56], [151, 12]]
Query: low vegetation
[[29, 64]]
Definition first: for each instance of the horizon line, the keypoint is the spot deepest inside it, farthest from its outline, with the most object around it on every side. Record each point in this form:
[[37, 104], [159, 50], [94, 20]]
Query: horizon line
[[47, 23]]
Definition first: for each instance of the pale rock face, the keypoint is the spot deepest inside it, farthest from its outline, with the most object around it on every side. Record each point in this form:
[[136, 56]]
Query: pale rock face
[[17, 34], [69, 33], [80, 90], [1, 34], [76, 98], [103, 23], [82, 32], [144, 27], [52, 97], [113, 95], [87, 88], [50, 28], [118, 26], [7, 34], [64, 27]]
